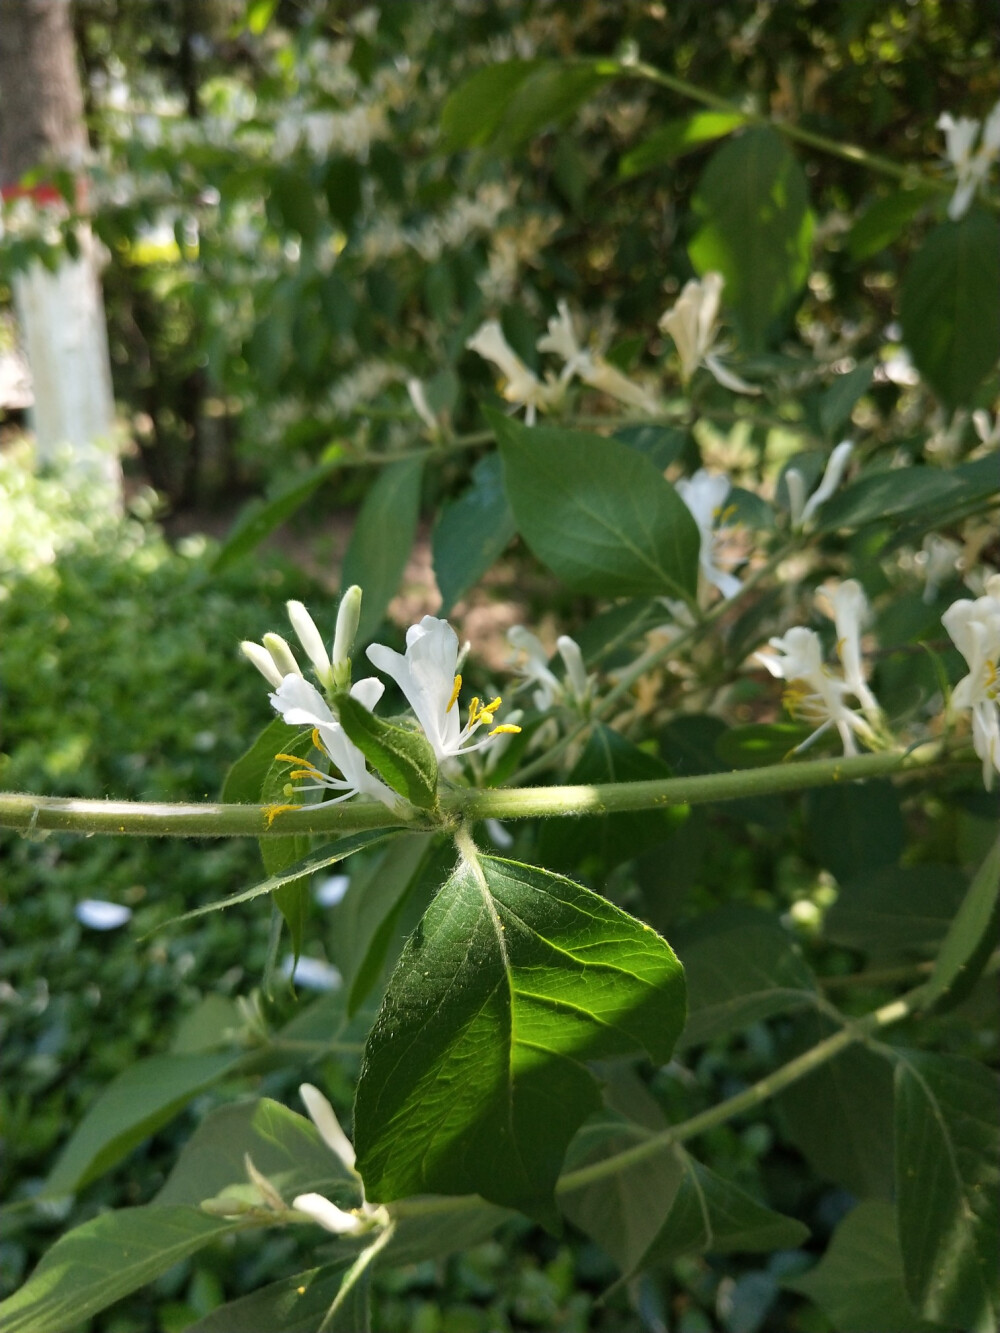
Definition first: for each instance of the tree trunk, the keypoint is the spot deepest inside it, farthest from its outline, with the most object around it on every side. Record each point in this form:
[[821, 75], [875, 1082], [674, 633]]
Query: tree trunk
[[62, 313]]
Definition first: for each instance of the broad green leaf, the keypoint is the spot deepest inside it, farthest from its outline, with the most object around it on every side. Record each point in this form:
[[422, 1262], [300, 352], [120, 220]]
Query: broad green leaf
[[709, 1215], [291, 203], [759, 743], [259, 15], [858, 1284], [621, 1212], [885, 219], [284, 1146], [840, 1117], [597, 843], [662, 445], [756, 229], [948, 306], [206, 1027], [403, 758], [970, 939], [597, 513], [854, 829], [472, 532], [342, 186], [295, 1305], [260, 518], [741, 966], [508, 103], [245, 779], [676, 138], [432, 1228], [111, 1255], [132, 1107], [474, 1078], [837, 403], [947, 1187], [382, 539], [895, 909], [475, 110], [888, 495]]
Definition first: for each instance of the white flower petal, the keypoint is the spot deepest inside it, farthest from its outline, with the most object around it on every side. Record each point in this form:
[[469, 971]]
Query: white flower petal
[[324, 1117], [328, 1215], [96, 914]]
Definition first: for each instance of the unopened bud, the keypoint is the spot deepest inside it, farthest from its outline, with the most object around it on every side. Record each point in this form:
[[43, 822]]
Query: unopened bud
[[262, 660], [311, 640], [348, 616], [281, 655], [576, 672]]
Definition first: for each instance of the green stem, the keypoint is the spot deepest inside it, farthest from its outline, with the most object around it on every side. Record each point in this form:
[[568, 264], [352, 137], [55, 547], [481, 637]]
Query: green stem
[[33, 815], [853, 1031]]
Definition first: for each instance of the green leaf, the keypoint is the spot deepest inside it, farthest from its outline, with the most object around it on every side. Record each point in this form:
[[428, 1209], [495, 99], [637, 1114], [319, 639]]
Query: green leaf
[[472, 532], [133, 1106], [260, 518], [342, 185], [292, 899], [837, 403], [382, 539], [597, 513], [292, 203], [756, 229], [245, 779], [676, 138], [759, 743], [854, 829], [285, 1147], [259, 15], [111, 1255], [599, 842], [895, 909], [404, 758], [970, 939], [474, 1078], [475, 110], [858, 1284], [840, 1117], [507, 104], [884, 220], [948, 1183], [741, 966], [948, 306], [662, 445], [711, 1216], [295, 1305], [434, 1228], [888, 495]]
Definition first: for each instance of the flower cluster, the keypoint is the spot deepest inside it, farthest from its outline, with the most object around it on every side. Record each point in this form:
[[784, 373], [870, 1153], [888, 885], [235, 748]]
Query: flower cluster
[[693, 323], [813, 692], [971, 164], [367, 1217], [532, 663], [974, 627]]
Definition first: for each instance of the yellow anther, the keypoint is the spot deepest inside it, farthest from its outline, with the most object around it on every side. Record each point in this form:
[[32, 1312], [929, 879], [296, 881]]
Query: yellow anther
[[317, 739], [272, 811], [454, 694], [303, 773], [474, 710], [505, 729], [308, 768], [492, 708]]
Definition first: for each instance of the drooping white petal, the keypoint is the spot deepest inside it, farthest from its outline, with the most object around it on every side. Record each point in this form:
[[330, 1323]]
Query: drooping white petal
[[704, 494], [324, 1117], [535, 666], [726, 377], [301, 704], [832, 476], [576, 672], [421, 406], [850, 614], [328, 1215]]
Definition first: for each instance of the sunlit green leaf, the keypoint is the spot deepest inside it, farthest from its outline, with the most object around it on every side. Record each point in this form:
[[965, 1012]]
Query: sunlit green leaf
[[472, 532], [677, 137], [403, 758]]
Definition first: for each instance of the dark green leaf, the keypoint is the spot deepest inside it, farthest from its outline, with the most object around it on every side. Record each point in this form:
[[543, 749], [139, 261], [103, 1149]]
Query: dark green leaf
[[382, 539], [402, 757], [507, 104], [294, 1305], [597, 843], [342, 183], [471, 532], [474, 1077], [662, 445], [893, 494], [741, 966], [475, 110], [597, 513], [435, 1228], [132, 1107], [854, 829], [948, 1185], [837, 403], [948, 306], [292, 899], [970, 939], [677, 137], [756, 229], [291, 203], [759, 743], [259, 519], [885, 219], [105, 1259], [895, 909], [245, 779], [858, 1284]]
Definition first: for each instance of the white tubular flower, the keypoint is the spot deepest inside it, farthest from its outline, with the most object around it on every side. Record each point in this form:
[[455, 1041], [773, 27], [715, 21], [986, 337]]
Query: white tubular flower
[[418, 400], [692, 322], [263, 661], [329, 1216], [523, 386], [939, 557], [302, 705], [428, 676], [534, 666], [282, 655], [312, 642], [704, 496], [971, 168], [561, 340], [849, 608], [812, 693], [975, 630], [348, 619], [591, 368], [576, 673], [324, 1117], [801, 510], [987, 430]]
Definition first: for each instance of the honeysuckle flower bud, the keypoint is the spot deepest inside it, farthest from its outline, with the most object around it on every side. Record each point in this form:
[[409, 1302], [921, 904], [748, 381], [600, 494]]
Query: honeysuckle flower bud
[[523, 385], [534, 667], [324, 1117], [704, 496], [801, 510], [974, 627], [813, 693], [262, 660], [348, 619], [312, 642], [576, 672], [281, 655], [971, 168], [428, 676], [692, 322]]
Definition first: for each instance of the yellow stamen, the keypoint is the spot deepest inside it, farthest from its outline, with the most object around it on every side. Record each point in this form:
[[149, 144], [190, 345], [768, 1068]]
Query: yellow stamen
[[505, 729], [454, 694], [474, 710], [992, 679], [316, 739], [272, 811], [304, 773], [309, 769]]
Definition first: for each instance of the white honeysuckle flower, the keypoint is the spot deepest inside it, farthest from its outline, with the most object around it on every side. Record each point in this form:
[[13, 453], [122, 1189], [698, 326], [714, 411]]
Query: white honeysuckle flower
[[329, 1216], [428, 676], [849, 608], [262, 660], [533, 666], [602, 375], [315, 1206], [971, 167], [324, 1117], [591, 368], [523, 386], [312, 642], [692, 322], [974, 627], [812, 692], [939, 558], [800, 509], [987, 430], [576, 673], [704, 494], [96, 914], [348, 619], [561, 340], [302, 705], [274, 660], [418, 399]]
